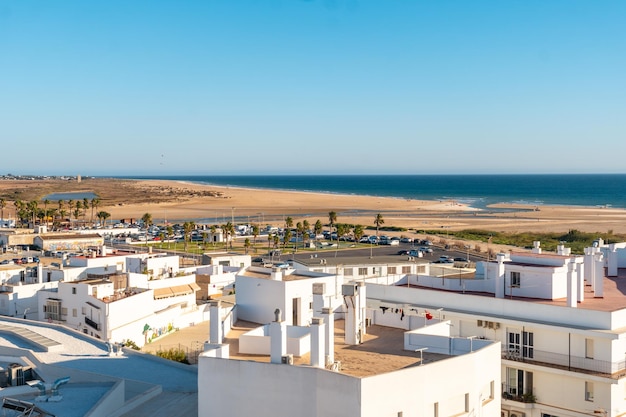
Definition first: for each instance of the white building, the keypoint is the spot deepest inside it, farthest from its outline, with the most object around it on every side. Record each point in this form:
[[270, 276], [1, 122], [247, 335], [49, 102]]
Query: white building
[[561, 323], [344, 369], [260, 291]]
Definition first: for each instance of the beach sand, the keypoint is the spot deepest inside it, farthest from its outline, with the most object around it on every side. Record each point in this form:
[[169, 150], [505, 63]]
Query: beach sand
[[176, 202]]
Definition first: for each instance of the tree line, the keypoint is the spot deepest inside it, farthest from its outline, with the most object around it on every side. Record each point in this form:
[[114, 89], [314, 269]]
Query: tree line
[[56, 214]]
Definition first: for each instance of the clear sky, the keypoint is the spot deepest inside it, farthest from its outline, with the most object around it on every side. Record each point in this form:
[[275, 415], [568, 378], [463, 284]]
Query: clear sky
[[122, 87]]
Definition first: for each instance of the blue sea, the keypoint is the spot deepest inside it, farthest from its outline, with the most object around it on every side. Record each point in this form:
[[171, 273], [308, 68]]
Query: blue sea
[[601, 190]]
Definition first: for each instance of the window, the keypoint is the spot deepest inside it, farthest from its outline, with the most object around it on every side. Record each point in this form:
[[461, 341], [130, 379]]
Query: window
[[436, 410], [406, 269], [83, 310], [53, 309], [589, 348], [518, 382], [362, 271], [391, 270], [73, 290], [74, 312], [521, 344], [467, 404], [348, 272], [515, 279], [588, 391]]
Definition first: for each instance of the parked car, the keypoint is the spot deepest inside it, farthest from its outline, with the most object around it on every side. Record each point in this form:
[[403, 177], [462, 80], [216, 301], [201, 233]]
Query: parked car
[[364, 239], [424, 249], [406, 240], [393, 242], [444, 260], [6, 262]]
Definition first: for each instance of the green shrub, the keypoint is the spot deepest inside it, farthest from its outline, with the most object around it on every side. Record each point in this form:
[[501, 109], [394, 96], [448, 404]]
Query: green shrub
[[174, 354]]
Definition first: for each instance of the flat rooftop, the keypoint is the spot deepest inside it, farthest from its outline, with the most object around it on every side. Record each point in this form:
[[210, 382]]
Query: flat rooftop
[[613, 298], [381, 351], [142, 373], [266, 273]]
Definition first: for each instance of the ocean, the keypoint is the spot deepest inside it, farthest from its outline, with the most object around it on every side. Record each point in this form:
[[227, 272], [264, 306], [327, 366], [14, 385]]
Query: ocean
[[601, 190]]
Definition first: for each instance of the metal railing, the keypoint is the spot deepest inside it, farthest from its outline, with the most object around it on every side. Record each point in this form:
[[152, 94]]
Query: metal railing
[[568, 362], [510, 392], [92, 323]]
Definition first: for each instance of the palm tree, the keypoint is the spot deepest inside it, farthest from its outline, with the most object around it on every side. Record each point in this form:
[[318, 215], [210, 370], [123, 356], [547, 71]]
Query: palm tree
[[3, 204], [332, 219], [255, 232], [246, 245], [378, 220], [188, 227], [299, 232], [306, 228], [286, 237], [213, 231], [45, 209], [103, 216], [358, 232], [170, 233], [230, 230], [94, 203], [288, 223], [70, 204], [32, 209], [147, 220]]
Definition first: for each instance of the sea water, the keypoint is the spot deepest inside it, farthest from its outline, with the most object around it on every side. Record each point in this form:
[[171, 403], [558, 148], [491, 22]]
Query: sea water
[[601, 190]]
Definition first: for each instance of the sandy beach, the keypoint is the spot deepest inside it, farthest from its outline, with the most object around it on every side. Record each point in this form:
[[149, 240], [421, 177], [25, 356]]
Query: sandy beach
[[175, 202]]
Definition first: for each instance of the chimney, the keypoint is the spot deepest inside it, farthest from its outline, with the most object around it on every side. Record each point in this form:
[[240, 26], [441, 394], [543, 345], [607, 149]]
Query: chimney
[[329, 337], [354, 298], [278, 338], [215, 322], [612, 261], [588, 266], [536, 247], [580, 277], [500, 276], [277, 274], [598, 266], [319, 289], [39, 273], [572, 284], [317, 343], [562, 250], [103, 250]]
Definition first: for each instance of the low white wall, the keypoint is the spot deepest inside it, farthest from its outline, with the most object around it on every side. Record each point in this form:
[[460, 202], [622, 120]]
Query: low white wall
[[257, 341]]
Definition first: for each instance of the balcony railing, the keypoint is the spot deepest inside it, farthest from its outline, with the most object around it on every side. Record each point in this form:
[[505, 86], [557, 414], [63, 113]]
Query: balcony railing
[[510, 392], [569, 362], [92, 323]]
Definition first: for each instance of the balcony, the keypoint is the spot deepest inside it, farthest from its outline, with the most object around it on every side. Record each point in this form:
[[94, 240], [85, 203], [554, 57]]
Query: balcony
[[568, 362], [92, 323], [511, 393]]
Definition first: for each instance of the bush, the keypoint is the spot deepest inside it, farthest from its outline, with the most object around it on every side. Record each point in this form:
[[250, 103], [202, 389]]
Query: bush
[[130, 344], [174, 354]]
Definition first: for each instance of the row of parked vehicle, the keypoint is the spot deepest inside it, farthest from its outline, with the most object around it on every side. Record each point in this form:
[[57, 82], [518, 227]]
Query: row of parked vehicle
[[20, 261]]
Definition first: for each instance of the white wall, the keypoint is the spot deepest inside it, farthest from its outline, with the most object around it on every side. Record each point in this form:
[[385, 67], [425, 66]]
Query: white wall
[[276, 390], [273, 390]]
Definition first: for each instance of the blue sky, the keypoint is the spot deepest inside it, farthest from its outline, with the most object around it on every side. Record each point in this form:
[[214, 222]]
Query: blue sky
[[318, 86]]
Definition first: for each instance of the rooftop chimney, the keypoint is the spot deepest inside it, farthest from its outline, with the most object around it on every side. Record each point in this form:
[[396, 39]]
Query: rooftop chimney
[[319, 289], [536, 247], [317, 342], [215, 322], [354, 298], [277, 274], [572, 284], [329, 339], [612, 261], [500, 276], [598, 266], [278, 338]]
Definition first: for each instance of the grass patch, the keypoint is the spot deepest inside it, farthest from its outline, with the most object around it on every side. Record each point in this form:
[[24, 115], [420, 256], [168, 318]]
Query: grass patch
[[574, 239]]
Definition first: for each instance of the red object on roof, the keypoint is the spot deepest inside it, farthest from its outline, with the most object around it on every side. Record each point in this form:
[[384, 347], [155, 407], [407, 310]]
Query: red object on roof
[[429, 316]]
